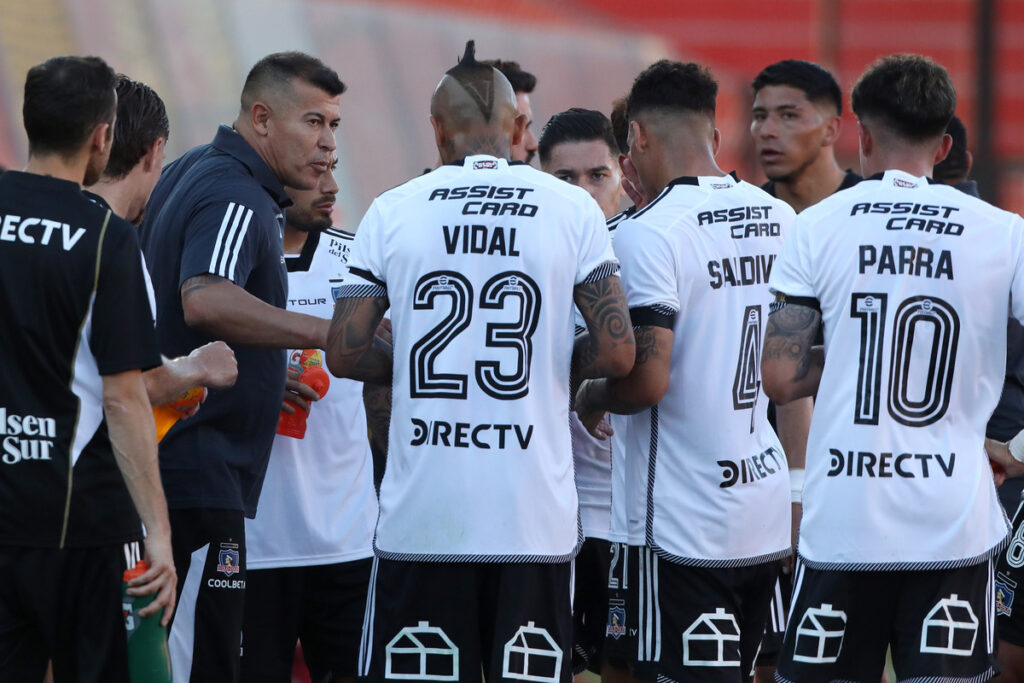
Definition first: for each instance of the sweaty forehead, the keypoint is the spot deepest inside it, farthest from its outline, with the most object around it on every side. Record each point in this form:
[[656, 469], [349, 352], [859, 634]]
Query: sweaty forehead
[[775, 96], [580, 156]]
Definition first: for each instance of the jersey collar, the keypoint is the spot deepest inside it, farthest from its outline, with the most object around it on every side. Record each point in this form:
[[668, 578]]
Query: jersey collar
[[230, 142], [903, 175], [303, 260]]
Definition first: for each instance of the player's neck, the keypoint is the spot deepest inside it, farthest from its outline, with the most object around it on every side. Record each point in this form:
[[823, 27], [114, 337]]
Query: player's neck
[[683, 163], [908, 161], [294, 240], [116, 193], [819, 180], [56, 166]]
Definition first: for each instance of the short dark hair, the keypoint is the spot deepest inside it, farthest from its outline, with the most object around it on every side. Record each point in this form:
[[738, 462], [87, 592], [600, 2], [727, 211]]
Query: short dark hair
[[278, 69], [911, 95], [576, 125], [141, 121], [955, 165], [522, 81], [814, 80], [65, 99], [620, 123], [675, 86]]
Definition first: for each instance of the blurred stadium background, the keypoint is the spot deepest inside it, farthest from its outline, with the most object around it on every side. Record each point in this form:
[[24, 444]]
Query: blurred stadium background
[[391, 53]]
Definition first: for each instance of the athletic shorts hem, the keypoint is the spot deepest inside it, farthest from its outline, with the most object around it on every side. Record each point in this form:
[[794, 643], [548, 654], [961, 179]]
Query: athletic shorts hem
[[317, 561], [984, 676], [705, 563], [906, 566]]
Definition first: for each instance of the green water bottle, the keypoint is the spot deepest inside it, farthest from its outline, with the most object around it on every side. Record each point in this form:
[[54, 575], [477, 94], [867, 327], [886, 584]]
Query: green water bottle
[[148, 659]]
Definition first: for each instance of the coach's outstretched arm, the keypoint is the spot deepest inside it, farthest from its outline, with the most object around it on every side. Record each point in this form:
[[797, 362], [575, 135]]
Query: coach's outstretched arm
[[222, 309], [608, 348], [133, 438], [790, 364], [353, 348]]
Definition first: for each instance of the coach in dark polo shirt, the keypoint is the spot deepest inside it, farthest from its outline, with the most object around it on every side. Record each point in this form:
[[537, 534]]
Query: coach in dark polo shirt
[[212, 239]]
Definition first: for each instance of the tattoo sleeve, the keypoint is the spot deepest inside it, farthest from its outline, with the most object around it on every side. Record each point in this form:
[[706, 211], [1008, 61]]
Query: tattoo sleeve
[[790, 337], [353, 350], [377, 402], [603, 305]]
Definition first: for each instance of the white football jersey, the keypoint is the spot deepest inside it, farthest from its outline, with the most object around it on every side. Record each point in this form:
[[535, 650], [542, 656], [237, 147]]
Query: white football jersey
[[705, 471], [479, 261], [318, 504], [914, 281]]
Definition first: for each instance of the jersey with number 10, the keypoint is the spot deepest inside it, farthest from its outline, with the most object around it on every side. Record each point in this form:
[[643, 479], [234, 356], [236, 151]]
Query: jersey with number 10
[[716, 490], [914, 281], [479, 261]]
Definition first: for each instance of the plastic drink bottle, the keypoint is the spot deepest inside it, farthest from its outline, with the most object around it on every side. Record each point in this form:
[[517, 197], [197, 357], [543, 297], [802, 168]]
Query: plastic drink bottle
[[169, 413], [148, 658]]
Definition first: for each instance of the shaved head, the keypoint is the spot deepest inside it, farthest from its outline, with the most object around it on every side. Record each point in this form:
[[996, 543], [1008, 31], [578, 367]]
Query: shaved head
[[473, 110]]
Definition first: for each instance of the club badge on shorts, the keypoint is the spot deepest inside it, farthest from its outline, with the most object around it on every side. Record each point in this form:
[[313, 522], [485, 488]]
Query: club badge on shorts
[[227, 559]]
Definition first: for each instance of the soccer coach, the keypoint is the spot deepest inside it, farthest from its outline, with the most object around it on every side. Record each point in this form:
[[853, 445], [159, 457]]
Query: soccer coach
[[212, 238]]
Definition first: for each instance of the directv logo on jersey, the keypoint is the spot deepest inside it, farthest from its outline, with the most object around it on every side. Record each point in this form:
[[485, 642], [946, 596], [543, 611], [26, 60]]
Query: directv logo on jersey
[[465, 435], [887, 466], [16, 229], [17, 448], [750, 469]]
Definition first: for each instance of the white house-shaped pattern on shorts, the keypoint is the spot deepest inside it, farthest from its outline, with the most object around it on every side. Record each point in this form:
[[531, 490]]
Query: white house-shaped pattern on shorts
[[705, 640], [950, 628], [532, 655], [422, 652], [819, 637]]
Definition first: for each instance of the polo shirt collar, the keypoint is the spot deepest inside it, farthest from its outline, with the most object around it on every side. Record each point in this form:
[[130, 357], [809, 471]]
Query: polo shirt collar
[[229, 141]]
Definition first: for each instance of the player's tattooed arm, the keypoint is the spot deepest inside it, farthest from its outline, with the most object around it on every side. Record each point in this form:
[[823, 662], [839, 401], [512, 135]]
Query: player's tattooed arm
[[642, 388], [608, 347], [790, 363], [377, 402], [353, 349], [225, 311]]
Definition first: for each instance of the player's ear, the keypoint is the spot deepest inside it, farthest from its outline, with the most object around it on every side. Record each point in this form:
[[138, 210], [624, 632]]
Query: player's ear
[[440, 136], [637, 136], [944, 147], [867, 141], [518, 129], [832, 129], [152, 156], [970, 163], [102, 138], [259, 117], [716, 140]]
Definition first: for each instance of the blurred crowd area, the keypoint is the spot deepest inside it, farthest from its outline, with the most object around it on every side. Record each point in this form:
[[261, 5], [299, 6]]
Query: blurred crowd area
[[390, 53]]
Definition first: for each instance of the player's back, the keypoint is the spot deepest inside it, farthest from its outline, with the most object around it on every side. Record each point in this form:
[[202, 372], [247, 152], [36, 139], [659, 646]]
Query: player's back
[[479, 261], [717, 485], [913, 281]]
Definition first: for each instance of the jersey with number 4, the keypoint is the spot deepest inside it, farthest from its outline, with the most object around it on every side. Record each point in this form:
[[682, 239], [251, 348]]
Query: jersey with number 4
[[479, 261], [913, 281], [716, 485]]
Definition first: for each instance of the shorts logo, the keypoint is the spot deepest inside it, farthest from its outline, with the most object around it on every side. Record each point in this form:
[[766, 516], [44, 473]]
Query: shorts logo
[[1005, 591], [950, 628], [819, 637], [423, 653], [532, 655], [616, 623], [484, 164], [713, 639], [227, 559], [900, 182]]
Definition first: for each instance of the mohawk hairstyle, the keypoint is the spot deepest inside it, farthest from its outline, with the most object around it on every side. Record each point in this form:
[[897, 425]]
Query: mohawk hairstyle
[[476, 78]]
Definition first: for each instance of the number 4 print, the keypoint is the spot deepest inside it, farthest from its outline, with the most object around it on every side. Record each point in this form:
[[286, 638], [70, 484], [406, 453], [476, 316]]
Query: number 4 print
[[747, 382], [913, 316], [497, 293]]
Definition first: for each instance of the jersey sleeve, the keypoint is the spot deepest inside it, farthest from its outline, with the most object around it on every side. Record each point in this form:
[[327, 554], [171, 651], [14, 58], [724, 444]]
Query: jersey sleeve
[[649, 274], [595, 260], [791, 273], [1017, 285], [223, 238], [122, 335], [366, 276]]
